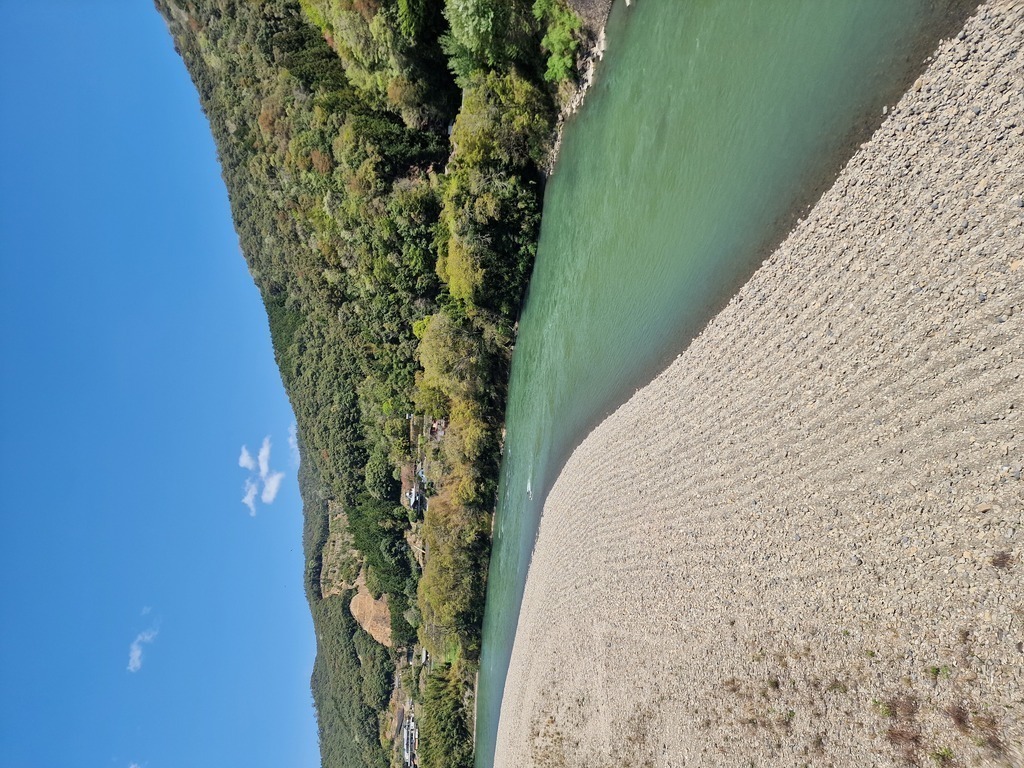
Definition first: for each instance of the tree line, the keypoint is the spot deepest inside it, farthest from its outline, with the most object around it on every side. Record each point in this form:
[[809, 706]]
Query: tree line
[[383, 162]]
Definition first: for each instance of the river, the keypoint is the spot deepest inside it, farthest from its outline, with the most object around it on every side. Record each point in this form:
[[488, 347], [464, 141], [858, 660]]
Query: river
[[712, 124]]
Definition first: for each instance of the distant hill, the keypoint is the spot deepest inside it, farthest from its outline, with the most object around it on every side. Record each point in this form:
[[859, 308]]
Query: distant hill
[[383, 161]]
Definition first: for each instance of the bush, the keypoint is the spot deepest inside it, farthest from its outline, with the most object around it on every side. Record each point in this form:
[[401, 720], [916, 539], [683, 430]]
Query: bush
[[485, 33], [561, 38], [505, 119], [380, 477]]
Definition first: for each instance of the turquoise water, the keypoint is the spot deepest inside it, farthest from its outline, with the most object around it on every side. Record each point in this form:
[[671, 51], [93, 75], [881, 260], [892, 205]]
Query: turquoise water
[[711, 123]]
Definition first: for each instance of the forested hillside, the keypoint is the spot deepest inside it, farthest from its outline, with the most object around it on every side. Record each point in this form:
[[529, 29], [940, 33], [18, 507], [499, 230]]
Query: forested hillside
[[382, 158]]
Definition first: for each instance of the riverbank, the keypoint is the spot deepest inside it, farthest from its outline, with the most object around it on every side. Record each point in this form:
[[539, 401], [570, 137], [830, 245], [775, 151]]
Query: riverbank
[[594, 15], [802, 542]]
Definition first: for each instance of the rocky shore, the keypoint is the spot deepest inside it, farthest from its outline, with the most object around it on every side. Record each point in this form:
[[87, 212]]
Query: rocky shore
[[803, 543], [594, 14]]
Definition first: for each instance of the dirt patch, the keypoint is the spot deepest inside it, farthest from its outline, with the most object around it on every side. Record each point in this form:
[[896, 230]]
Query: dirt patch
[[373, 615], [339, 564]]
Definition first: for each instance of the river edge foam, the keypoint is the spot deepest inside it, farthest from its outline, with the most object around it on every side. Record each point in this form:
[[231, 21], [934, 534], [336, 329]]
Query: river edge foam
[[906, 265]]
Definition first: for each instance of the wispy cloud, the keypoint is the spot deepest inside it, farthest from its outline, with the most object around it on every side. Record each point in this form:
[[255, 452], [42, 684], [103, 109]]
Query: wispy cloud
[[250, 497], [245, 460], [135, 649], [262, 481], [134, 765], [293, 444], [264, 458], [271, 485]]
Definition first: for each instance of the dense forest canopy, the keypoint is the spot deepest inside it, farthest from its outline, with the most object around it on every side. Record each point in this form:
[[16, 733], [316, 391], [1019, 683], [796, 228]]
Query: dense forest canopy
[[383, 161]]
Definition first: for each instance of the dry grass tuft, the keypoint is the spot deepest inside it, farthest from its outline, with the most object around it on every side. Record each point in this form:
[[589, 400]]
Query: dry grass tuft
[[958, 715], [905, 707], [1003, 560], [988, 728], [907, 740]]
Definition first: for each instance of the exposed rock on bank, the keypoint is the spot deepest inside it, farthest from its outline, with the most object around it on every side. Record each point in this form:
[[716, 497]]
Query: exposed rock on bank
[[803, 543], [593, 12]]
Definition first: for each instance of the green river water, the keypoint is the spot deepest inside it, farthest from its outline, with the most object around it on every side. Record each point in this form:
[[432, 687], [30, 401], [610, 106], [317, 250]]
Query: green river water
[[712, 123]]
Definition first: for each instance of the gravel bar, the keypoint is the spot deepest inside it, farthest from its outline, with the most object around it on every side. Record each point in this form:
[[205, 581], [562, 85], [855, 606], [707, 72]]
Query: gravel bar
[[803, 544]]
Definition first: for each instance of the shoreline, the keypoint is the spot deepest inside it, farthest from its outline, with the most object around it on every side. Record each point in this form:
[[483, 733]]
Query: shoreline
[[814, 540], [594, 14]]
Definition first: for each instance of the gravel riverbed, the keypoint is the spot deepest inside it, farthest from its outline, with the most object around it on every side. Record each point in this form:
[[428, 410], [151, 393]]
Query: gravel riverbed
[[803, 543]]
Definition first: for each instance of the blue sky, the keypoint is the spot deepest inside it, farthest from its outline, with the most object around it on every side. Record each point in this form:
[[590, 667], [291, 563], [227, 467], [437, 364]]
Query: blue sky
[[136, 363]]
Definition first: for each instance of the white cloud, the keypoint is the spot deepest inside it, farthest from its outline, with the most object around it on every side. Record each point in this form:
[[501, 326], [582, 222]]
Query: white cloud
[[250, 497], [245, 460], [293, 443], [264, 458], [146, 609], [271, 485], [135, 650], [263, 481], [134, 765]]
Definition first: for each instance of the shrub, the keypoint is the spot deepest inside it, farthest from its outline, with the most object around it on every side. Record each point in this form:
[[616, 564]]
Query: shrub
[[561, 38]]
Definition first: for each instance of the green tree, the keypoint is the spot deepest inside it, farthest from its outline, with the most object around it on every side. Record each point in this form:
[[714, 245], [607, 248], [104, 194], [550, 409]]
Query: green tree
[[504, 119], [451, 356], [486, 33], [445, 740], [561, 39]]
